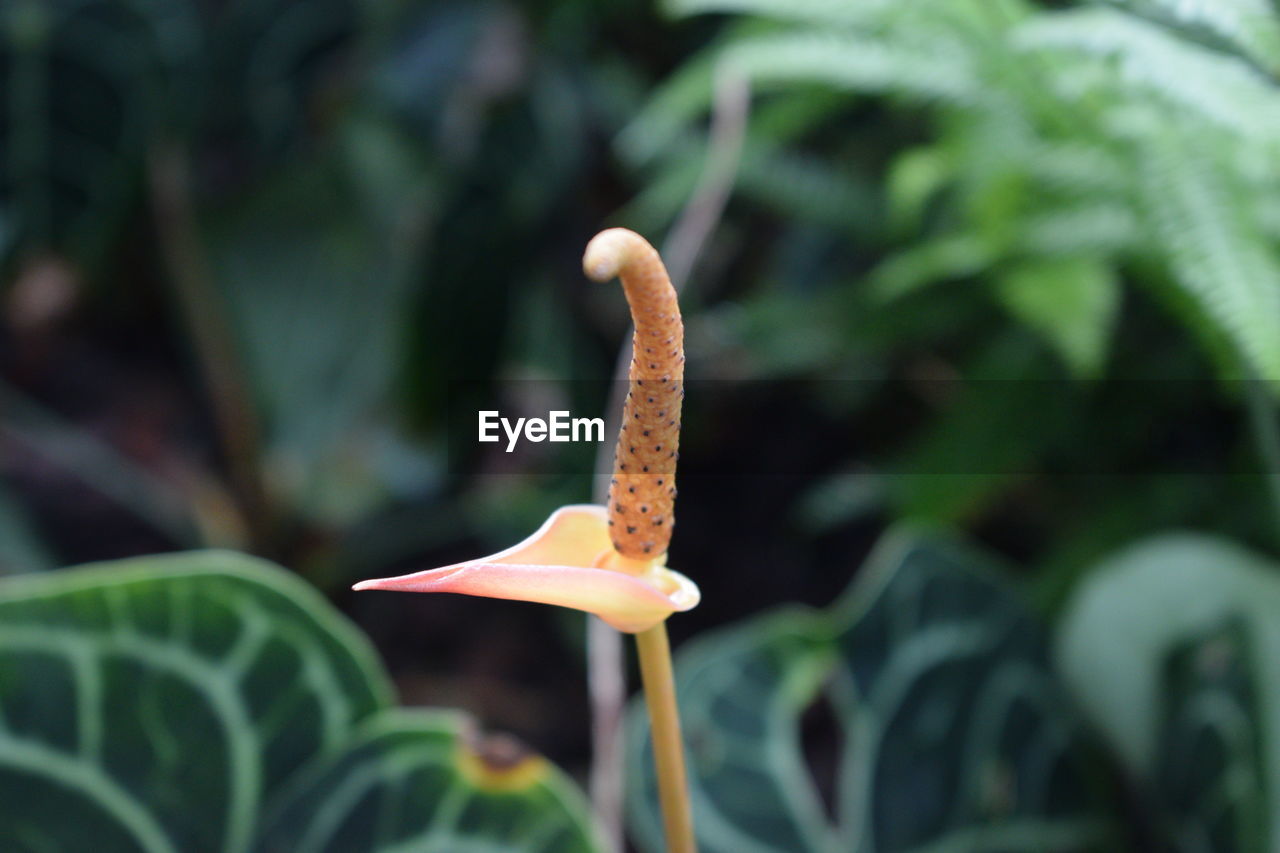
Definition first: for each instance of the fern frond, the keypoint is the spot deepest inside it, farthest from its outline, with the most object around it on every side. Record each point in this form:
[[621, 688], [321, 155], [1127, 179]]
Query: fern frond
[[1251, 27], [1134, 131], [1096, 228], [1070, 301], [1217, 252], [930, 262], [822, 12], [865, 14], [858, 63], [924, 51], [1141, 59], [769, 174], [1079, 168]]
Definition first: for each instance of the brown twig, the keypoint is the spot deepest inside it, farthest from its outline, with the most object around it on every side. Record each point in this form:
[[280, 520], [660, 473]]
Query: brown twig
[[205, 318]]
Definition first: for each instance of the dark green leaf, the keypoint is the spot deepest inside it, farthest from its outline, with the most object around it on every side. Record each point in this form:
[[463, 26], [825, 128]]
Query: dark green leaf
[[952, 733], [1211, 776], [417, 782], [171, 697], [1169, 645], [211, 702]]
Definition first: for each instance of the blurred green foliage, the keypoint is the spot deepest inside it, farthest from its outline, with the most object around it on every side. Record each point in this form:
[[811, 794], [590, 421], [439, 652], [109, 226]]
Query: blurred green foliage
[[1061, 166], [1066, 144], [1003, 267], [209, 701]]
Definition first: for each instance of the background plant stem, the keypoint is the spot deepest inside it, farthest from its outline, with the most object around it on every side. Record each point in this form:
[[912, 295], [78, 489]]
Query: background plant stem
[[236, 416], [608, 688], [668, 746]]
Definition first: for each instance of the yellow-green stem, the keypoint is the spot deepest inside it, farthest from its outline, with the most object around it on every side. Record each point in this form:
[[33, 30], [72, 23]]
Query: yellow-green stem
[[668, 747]]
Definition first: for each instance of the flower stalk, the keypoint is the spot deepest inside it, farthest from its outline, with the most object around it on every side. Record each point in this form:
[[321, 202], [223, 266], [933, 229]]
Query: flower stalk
[[668, 746]]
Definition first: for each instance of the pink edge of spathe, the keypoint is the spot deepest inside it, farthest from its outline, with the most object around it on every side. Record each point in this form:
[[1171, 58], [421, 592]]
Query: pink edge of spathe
[[623, 601]]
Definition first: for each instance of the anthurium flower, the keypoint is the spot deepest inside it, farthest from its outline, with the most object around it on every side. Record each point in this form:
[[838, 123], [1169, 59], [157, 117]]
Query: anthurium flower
[[569, 561], [610, 560]]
